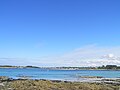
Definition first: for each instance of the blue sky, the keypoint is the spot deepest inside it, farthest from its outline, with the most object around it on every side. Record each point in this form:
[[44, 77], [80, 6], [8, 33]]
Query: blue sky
[[33, 29]]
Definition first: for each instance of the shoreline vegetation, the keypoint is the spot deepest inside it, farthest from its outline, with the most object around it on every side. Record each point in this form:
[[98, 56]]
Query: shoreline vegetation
[[7, 83], [103, 67], [29, 84]]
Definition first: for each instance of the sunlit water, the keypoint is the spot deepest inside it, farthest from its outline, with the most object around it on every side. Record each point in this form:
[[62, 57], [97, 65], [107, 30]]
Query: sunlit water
[[35, 73]]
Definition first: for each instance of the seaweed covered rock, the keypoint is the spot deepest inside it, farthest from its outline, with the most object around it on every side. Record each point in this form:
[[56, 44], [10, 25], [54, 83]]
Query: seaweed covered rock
[[4, 78]]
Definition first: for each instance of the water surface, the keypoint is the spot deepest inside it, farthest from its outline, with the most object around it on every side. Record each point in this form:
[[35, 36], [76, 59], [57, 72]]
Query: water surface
[[36, 73]]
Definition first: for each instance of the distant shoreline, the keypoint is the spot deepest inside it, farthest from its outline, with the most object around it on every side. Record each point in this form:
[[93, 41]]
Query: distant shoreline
[[61, 68], [57, 69]]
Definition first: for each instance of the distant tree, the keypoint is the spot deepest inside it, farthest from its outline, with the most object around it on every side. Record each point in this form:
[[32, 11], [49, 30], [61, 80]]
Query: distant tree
[[111, 66], [31, 67]]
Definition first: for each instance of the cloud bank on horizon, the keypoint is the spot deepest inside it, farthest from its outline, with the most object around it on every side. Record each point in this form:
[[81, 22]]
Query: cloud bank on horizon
[[91, 55]]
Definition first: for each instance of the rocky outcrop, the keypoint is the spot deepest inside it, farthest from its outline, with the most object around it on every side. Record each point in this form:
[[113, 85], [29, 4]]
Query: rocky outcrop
[[4, 78], [91, 77]]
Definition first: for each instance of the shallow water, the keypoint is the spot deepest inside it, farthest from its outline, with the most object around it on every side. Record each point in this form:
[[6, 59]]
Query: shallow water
[[36, 73]]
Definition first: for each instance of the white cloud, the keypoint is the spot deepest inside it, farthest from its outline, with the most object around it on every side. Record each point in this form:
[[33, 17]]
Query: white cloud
[[91, 55]]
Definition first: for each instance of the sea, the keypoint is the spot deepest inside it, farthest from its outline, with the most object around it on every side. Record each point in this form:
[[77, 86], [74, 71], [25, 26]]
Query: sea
[[70, 75]]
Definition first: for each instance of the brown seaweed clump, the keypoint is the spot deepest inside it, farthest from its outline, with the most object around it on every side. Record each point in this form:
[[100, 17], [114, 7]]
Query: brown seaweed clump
[[50, 85]]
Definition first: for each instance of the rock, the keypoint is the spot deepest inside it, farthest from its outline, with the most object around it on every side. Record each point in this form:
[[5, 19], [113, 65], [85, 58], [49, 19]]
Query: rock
[[91, 77], [24, 77], [4, 78], [56, 81], [1, 84]]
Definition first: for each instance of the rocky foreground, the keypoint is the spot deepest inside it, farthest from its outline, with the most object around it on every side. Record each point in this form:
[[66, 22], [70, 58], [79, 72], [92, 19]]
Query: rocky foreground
[[28, 84]]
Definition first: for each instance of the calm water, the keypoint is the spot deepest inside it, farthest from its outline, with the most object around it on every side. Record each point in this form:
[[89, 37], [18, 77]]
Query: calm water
[[57, 74]]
